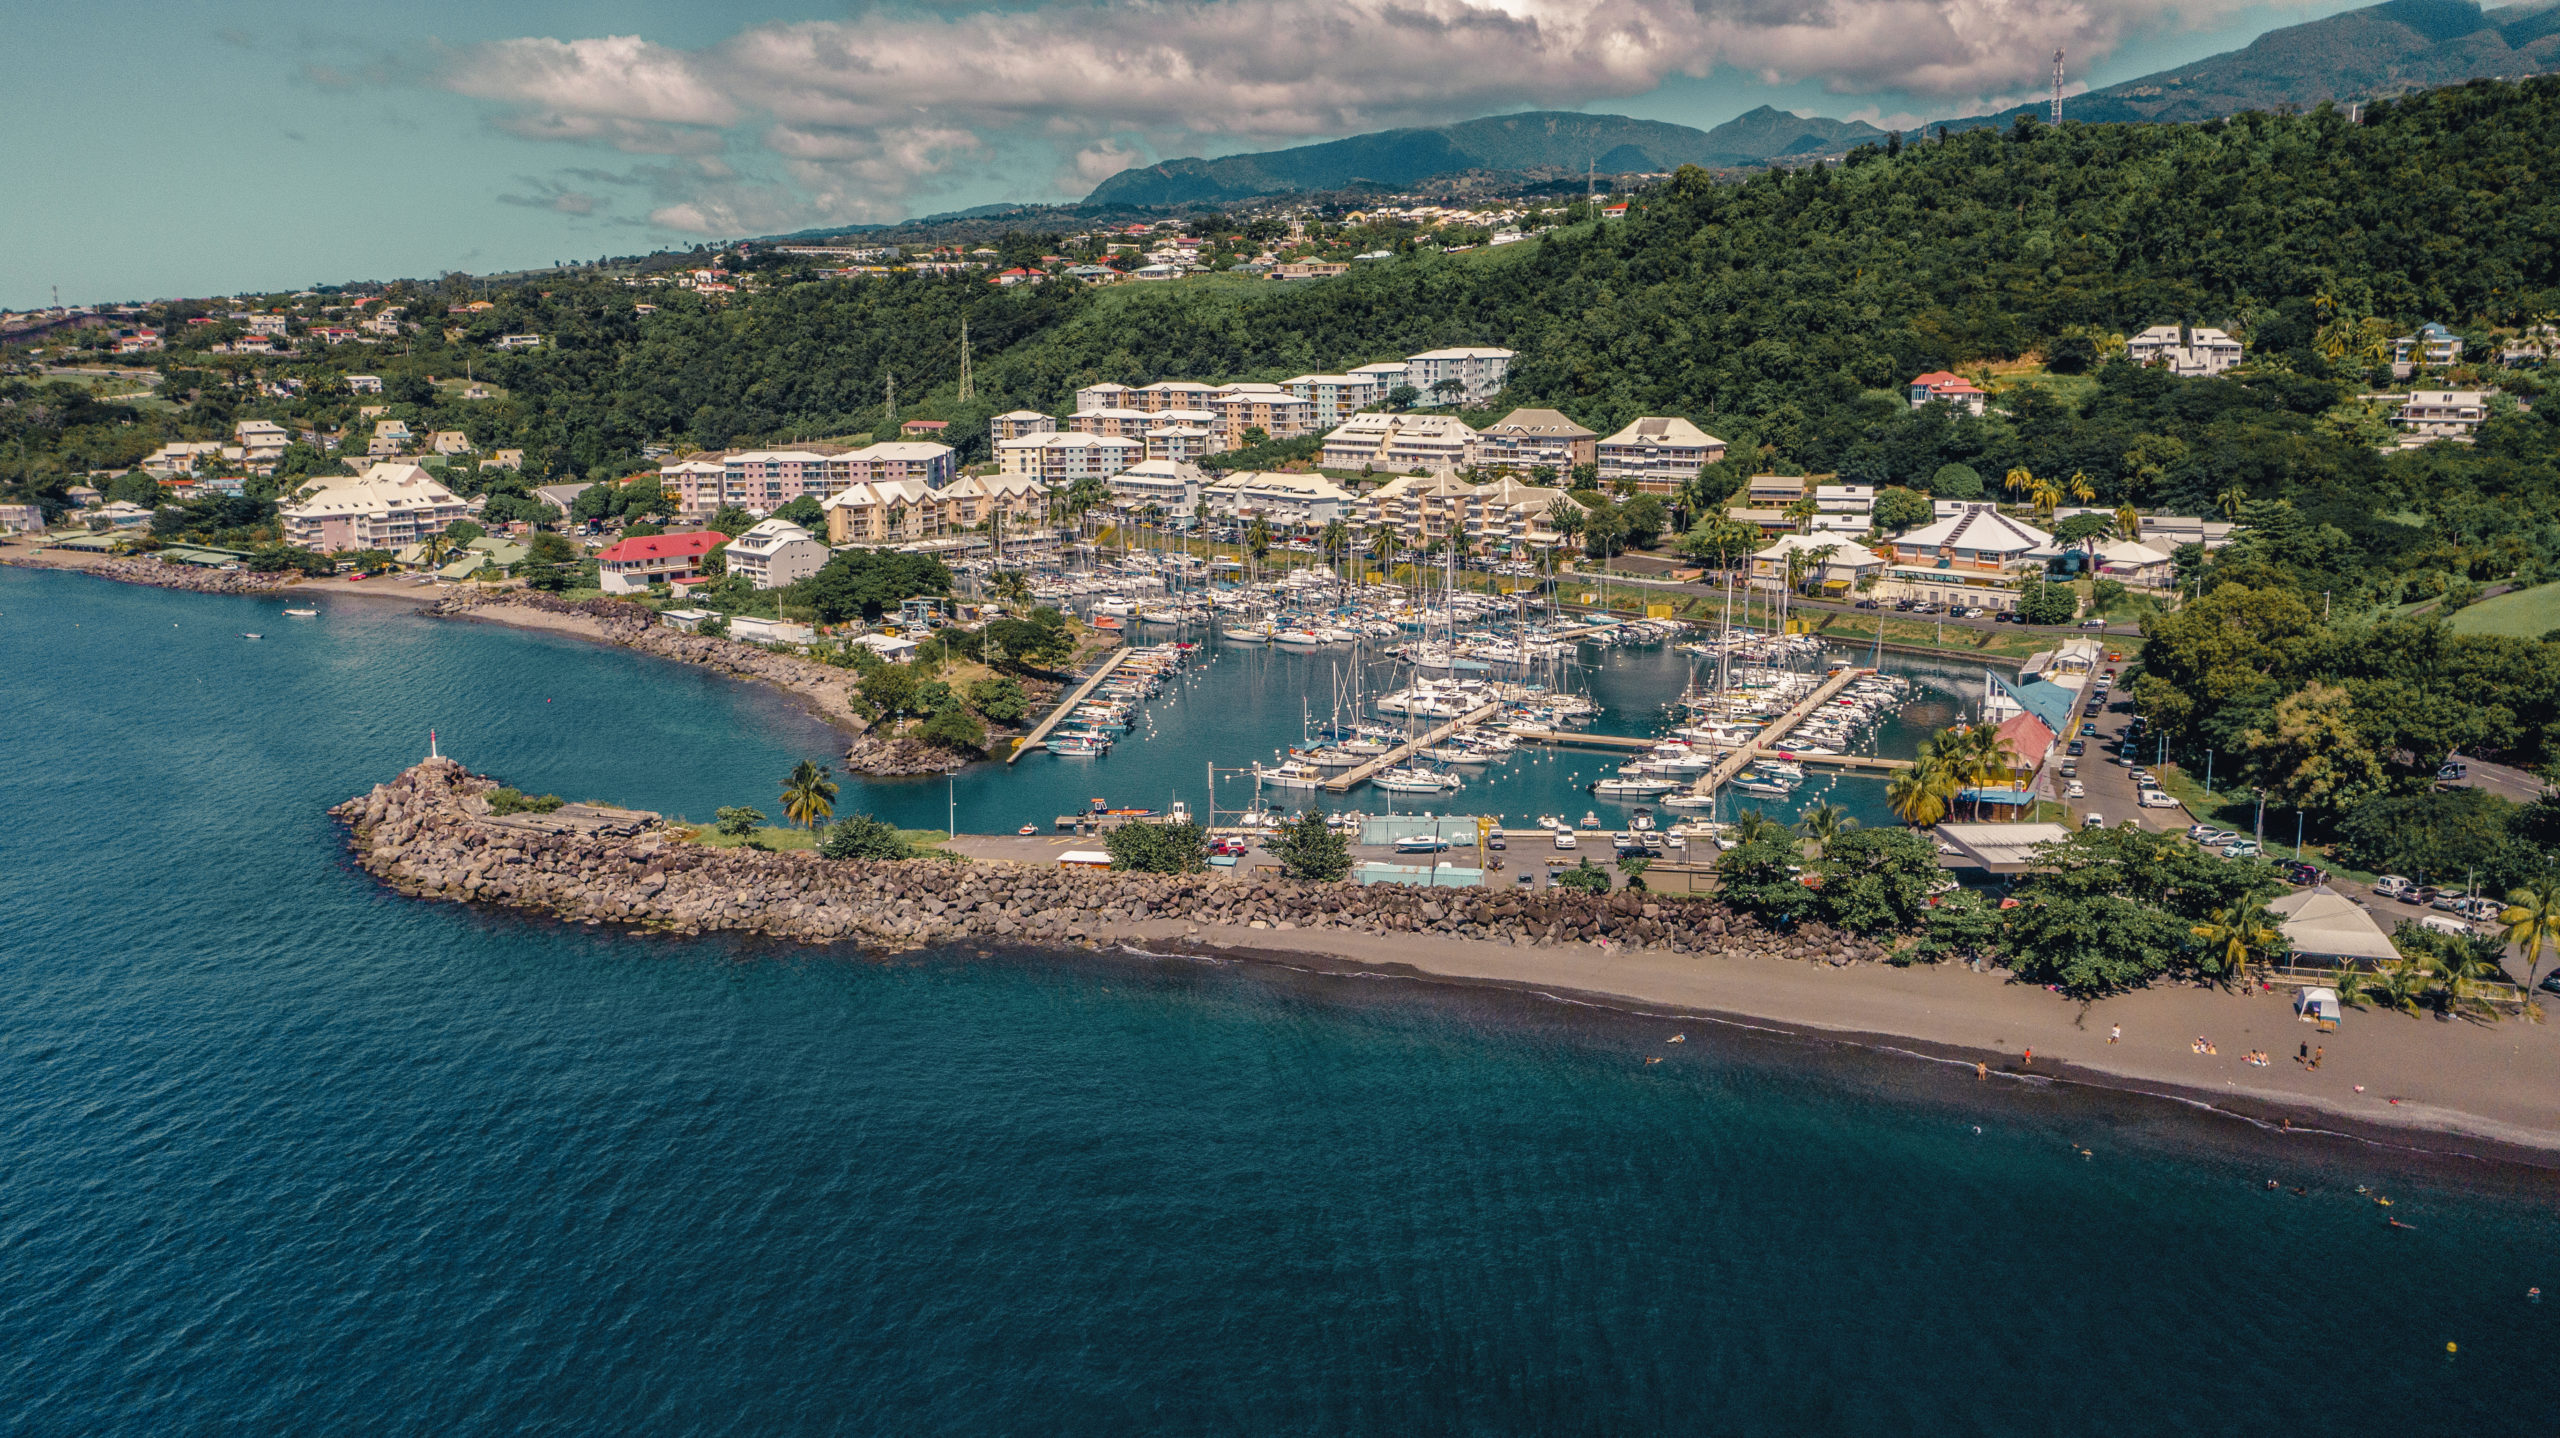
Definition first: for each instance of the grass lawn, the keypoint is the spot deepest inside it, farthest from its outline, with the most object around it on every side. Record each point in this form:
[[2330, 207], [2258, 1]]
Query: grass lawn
[[1850, 630], [2523, 613]]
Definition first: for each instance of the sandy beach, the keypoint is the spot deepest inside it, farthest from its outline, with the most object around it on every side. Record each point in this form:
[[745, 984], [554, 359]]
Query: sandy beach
[[2381, 1071]]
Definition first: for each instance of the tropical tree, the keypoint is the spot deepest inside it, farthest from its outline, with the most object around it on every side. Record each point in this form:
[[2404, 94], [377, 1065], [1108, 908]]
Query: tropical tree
[[1978, 754], [2018, 480], [808, 795], [2230, 500], [2128, 522], [1824, 823], [2402, 985], [2459, 973], [2532, 920], [1257, 541], [2235, 933], [1384, 541], [1012, 589], [1750, 826], [1921, 795], [2079, 487]]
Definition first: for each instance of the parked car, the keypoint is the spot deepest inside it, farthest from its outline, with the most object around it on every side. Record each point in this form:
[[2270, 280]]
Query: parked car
[[2093, 623], [2158, 799], [2303, 876], [1494, 839], [2420, 894], [2076, 749], [1565, 839], [2241, 849], [1421, 844], [2484, 910], [1865, 604], [2075, 790], [2450, 902], [2453, 771], [2088, 731], [2390, 886], [1233, 845], [2070, 769], [2093, 820]]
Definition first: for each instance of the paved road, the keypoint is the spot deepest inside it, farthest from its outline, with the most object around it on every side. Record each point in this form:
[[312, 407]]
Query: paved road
[[2504, 780], [1850, 608]]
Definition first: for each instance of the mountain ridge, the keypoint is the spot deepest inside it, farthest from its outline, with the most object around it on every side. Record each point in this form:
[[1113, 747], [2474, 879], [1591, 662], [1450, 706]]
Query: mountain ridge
[[1552, 142]]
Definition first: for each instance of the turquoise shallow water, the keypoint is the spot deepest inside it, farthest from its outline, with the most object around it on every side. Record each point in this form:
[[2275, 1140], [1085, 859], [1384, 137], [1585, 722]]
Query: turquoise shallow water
[[282, 1153]]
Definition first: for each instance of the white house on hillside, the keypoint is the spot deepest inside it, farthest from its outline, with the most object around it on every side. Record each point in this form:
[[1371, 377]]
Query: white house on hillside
[[774, 553]]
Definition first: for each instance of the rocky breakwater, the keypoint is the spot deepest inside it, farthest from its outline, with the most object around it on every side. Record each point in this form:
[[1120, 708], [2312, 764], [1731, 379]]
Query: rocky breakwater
[[429, 833], [159, 574]]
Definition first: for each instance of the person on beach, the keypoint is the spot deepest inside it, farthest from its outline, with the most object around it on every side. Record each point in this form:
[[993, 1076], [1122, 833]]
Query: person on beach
[[2115, 1034], [1982, 1071], [2030, 1060], [2315, 1055], [2302, 1053]]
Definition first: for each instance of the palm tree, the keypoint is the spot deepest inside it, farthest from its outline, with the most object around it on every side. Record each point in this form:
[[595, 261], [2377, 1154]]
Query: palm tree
[[1823, 823], [2400, 986], [1334, 539], [1750, 826], [1920, 795], [2080, 487], [1012, 589], [436, 549], [808, 795], [2128, 522], [2230, 501], [2532, 921], [1257, 541], [1384, 541], [2238, 931], [2046, 496], [1977, 755], [2018, 480]]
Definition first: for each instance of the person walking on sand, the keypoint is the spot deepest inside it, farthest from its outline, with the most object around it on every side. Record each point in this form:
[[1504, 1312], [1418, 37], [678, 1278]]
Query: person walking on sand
[[2115, 1034], [2030, 1060], [2315, 1055], [2302, 1052], [1982, 1071]]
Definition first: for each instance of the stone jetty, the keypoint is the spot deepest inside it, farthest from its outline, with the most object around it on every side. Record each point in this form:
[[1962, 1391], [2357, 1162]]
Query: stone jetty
[[160, 574], [429, 833]]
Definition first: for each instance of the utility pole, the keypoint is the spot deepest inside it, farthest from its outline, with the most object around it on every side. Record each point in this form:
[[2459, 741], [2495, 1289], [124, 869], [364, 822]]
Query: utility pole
[[968, 390], [2057, 87]]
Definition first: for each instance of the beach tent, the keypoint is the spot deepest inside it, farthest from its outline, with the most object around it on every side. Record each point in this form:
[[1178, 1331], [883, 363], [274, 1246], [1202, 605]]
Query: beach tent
[[2322, 923], [2318, 1006]]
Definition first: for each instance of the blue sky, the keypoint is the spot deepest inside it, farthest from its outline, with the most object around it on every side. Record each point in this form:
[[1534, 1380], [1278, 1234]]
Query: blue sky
[[196, 147]]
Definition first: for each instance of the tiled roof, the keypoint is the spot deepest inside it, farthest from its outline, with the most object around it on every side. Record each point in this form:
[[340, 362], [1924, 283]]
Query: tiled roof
[[691, 544]]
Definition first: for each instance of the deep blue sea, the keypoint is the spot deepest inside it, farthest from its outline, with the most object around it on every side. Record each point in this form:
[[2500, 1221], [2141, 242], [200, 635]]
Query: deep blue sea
[[281, 1153]]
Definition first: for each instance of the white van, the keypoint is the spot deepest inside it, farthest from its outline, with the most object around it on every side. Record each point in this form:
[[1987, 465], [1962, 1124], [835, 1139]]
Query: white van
[[2390, 886], [2158, 799]]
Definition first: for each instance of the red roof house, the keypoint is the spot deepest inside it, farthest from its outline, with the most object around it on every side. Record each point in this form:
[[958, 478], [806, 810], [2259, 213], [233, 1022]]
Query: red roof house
[[635, 564], [1953, 388]]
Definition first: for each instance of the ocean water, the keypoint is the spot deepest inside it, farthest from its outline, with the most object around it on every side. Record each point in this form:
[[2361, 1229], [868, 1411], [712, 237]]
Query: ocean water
[[283, 1153]]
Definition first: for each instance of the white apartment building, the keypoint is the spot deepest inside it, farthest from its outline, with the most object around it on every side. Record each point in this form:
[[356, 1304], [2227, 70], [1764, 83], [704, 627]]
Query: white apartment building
[[774, 553], [387, 506], [1478, 374], [890, 511], [364, 384], [1270, 408], [1400, 443], [1333, 398], [1015, 424], [1170, 484], [1182, 443], [1059, 460], [1504, 515], [1658, 455], [2202, 352], [1527, 439], [1301, 500], [1105, 396], [761, 481]]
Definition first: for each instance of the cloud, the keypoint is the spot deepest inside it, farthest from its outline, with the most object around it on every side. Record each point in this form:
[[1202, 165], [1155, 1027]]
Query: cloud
[[857, 116], [553, 195]]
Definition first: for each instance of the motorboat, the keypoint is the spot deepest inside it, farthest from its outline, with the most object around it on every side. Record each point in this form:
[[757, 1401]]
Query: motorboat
[[1078, 744], [1294, 774], [1632, 788], [1411, 779]]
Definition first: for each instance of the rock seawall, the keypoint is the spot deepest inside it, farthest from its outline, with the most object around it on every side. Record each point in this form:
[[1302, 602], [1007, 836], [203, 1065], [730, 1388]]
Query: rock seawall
[[158, 574], [420, 834]]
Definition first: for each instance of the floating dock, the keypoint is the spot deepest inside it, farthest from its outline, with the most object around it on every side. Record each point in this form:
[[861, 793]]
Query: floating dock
[[1349, 779], [1067, 706]]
